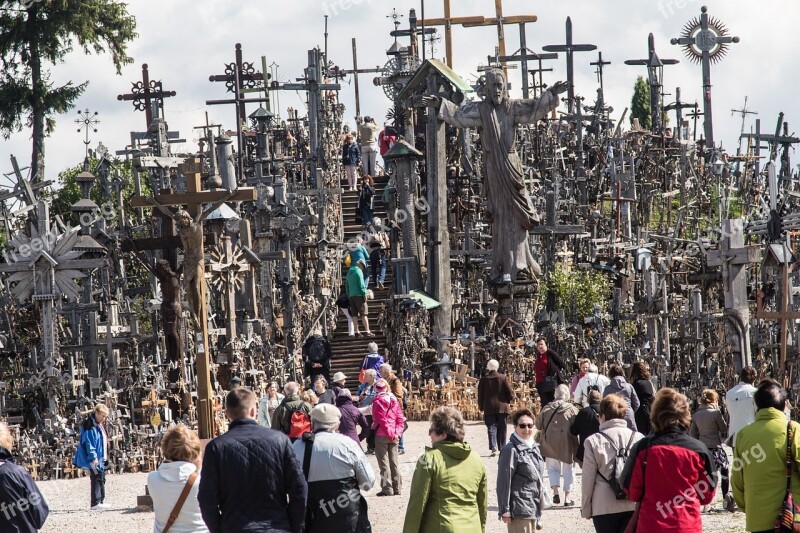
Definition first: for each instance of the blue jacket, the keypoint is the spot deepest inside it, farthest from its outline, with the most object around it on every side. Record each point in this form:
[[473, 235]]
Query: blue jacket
[[16, 485], [252, 481], [351, 154], [90, 446], [374, 361]]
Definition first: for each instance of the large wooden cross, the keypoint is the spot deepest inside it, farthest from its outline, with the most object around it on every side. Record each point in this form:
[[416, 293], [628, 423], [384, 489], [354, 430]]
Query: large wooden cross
[[193, 199], [570, 48]]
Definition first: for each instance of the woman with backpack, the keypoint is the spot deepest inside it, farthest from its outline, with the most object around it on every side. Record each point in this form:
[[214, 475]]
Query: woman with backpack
[[520, 488], [603, 460]]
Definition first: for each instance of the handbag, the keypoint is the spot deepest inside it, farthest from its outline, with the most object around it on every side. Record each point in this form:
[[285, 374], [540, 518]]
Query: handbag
[[634, 521], [549, 383], [788, 520], [179, 504]]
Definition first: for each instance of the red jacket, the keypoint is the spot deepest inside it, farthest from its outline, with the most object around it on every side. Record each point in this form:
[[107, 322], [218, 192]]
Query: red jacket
[[387, 416], [679, 477]]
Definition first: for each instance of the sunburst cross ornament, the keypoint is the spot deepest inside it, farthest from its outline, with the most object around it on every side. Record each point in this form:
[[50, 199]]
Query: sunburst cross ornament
[[228, 266], [705, 40]]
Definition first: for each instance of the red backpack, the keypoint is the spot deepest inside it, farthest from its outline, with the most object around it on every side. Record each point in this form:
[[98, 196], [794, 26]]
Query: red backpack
[[299, 423]]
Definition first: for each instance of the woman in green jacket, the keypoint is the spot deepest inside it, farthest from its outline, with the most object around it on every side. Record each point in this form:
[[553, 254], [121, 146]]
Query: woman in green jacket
[[448, 491]]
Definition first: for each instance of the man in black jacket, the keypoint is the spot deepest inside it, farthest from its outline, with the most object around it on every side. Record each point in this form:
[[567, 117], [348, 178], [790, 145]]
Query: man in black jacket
[[252, 480], [586, 423], [317, 358], [494, 395]]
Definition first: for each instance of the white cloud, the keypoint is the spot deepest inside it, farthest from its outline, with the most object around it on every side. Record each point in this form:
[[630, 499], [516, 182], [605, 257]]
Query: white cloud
[[184, 42]]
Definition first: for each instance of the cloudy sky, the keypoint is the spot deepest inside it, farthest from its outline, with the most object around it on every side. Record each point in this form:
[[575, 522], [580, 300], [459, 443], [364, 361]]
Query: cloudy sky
[[184, 42]]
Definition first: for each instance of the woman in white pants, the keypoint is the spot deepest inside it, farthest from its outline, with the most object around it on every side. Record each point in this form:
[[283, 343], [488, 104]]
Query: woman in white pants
[[343, 303]]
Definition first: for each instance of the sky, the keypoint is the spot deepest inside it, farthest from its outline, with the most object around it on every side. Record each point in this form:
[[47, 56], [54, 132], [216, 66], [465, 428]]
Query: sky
[[184, 42]]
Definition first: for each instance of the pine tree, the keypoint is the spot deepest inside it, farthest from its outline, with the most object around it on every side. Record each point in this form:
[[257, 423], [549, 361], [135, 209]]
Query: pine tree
[[37, 35], [640, 103]]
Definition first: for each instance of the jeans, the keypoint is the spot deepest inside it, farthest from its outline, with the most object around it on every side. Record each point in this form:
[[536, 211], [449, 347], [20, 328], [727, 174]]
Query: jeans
[[377, 262], [389, 465], [612, 523], [400, 446], [98, 486], [556, 470], [496, 426]]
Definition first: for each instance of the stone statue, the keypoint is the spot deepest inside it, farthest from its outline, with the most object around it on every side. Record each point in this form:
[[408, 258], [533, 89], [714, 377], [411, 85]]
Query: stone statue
[[509, 205], [191, 232]]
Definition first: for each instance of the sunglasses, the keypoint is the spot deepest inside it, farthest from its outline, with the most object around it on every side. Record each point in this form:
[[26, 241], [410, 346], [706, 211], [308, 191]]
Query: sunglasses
[[525, 426]]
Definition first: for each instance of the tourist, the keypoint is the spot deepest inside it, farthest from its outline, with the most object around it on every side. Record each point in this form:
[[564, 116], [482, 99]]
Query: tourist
[[268, 403], [324, 394], [386, 140], [586, 423], [619, 386], [373, 360], [449, 488], [643, 387], [357, 252], [591, 381], [317, 357], [351, 158], [547, 367], [337, 471], [338, 382], [557, 444], [366, 395], [357, 293], [234, 382], [397, 389], [520, 487], [368, 140], [494, 396], [600, 463], [740, 403], [366, 196], [378, 250], [351, 418], [309, 397], [583, 369], [668, 472], [235, 495], [709, 426], [92, 454], [176, 509], [284, 418], [343, 303], [760, 456], [388, 422], [17, 485]]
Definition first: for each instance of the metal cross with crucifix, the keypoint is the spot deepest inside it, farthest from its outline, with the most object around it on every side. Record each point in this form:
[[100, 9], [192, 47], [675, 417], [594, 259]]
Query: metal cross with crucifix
[[655, 77], [570, 48], [705, 40], [148, 96], [522, 56]]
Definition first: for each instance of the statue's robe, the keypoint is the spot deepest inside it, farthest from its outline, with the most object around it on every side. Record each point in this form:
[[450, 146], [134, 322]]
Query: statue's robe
[[509, 204]]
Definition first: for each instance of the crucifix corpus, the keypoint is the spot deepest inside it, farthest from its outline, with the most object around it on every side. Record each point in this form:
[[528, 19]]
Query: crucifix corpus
[[190, 227], [510, 207]]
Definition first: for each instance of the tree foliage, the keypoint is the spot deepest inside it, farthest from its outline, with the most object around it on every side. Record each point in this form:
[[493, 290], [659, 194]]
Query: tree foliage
[[640, 103], [576, 292], [37, 35]]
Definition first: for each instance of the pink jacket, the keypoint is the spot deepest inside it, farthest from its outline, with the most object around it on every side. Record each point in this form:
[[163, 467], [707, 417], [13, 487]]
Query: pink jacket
[[387, 416]]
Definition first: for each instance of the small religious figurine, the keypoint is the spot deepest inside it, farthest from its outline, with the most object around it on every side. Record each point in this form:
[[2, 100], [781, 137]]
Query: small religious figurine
[[509, 205]]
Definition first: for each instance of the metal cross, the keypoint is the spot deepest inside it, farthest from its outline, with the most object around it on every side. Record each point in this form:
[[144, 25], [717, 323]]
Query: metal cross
[[522, 56], [655, 75], [87, 121], [570, 48], [145, 93]]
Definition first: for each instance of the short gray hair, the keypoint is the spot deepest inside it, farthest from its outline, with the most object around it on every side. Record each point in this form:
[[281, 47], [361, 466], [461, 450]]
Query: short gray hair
[[371, 372], [493, 364], [386, 366], [562, 393], [449, 422], [593, 368], [372, 347], [291, 388]]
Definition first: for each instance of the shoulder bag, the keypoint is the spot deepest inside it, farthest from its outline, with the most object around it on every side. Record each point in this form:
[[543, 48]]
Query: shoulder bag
[[788, 520], [179, 504]]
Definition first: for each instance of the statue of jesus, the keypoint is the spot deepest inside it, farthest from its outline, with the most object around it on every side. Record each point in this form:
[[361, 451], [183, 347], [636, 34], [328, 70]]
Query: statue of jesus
[[509, 205]]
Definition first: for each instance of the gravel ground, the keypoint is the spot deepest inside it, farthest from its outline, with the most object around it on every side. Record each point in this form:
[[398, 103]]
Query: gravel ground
[[69, 499]]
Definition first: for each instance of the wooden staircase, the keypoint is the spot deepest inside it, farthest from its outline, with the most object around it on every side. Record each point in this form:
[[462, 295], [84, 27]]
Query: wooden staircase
[[348, 352]]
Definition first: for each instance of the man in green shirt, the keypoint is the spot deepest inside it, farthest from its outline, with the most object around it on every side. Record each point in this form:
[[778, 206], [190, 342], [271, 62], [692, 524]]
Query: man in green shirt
[[357, 293]]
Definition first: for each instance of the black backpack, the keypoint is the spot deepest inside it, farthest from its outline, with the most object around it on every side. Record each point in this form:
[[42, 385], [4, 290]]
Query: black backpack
[[594, 386], [617, 465]]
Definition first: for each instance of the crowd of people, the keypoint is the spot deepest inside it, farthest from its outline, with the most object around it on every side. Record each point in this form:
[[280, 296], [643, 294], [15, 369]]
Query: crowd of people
[[647, 462]]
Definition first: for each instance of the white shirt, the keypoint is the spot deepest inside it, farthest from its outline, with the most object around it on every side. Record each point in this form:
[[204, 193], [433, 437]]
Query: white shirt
[[582, 389], [165, 486], [741, 407], [335, 456]]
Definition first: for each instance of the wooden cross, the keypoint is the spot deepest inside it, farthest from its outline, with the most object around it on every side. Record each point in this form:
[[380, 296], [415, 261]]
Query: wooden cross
[[570, 48], [655, 75], [355, 71], [193, 199], [522, 56], [144, 93]]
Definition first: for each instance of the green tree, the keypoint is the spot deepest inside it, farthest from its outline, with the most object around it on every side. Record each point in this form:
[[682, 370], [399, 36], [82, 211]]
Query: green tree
[[39, 34], [640, 103]]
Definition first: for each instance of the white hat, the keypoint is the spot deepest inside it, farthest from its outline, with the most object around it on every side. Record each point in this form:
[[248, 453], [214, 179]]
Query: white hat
[[326, 414], [339, 376]]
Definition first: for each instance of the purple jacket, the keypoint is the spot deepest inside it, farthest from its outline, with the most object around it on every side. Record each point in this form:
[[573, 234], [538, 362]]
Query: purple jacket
[[351, 418]]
